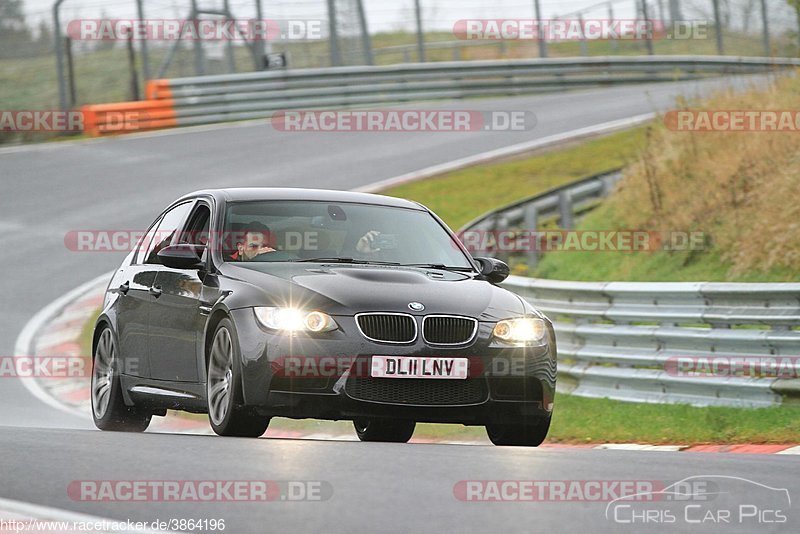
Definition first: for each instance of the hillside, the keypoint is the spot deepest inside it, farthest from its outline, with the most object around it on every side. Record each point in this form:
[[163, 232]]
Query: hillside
[[739, 189]]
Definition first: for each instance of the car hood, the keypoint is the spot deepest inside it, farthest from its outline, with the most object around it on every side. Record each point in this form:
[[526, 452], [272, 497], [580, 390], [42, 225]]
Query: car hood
[[350, 289]]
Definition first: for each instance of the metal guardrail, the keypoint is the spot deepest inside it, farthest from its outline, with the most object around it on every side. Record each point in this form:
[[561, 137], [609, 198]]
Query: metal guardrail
[[560, 205], [621, 340], [209, 99]]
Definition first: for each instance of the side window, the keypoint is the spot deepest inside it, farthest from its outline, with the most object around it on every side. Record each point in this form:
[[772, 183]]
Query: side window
[[147, 243], [166, 231], [196, 230]]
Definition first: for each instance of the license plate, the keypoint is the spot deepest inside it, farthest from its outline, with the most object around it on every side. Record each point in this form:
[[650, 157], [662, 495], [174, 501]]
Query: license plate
[[419, 367]]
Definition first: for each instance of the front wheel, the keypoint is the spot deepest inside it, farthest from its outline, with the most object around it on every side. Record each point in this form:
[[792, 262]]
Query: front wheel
[[531, 435], [225, 411], [393, 431], [108, 407]]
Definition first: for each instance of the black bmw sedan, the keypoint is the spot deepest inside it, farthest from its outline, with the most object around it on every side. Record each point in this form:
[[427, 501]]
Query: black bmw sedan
[[249, 304]]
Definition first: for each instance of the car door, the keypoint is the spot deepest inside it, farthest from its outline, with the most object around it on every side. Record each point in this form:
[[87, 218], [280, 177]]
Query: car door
[[133, 306], [176, 324]]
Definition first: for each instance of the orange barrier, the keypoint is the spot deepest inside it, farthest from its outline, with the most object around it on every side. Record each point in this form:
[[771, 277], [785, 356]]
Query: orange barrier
[[158, 111], [158, 90]]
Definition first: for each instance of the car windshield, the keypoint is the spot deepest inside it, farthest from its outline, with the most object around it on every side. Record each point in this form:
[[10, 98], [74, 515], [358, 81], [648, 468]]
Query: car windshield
[[295, 231]]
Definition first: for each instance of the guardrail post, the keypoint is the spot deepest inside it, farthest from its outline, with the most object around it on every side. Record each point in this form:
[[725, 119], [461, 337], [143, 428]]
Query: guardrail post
[[366, 41], [143, 43], [491, 249], [59, 48], [767, 47], [229, 45], [648, 36], [132, 66], [502, 225], [718, 28], [531, 220], [70, 71], [199, 60], [333, 38], [259, 42], [542, 41], [614, 42], [420, 35], [584, 45], [566, 217]]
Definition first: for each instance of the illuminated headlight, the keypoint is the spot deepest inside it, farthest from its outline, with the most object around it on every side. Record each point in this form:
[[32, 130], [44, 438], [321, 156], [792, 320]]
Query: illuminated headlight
[[521, 330], [294, 320]]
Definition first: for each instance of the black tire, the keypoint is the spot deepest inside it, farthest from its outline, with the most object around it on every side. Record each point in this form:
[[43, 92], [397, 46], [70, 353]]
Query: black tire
[[388, 430], [519, 435], [108, 406], [227, 415]]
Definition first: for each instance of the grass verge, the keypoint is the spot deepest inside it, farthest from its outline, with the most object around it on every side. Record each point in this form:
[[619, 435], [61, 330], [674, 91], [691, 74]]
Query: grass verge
[[736, 189], [460, 196]]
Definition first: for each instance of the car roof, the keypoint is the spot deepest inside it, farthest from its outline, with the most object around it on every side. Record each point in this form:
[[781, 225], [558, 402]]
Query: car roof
[[240, 194]]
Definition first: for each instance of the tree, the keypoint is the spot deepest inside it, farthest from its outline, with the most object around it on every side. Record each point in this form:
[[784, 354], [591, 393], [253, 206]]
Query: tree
[[44, 42], [15, 36], [796, 5]]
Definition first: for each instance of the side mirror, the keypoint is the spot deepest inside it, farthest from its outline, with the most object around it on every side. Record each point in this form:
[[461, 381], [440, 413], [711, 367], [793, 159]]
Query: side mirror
[[182, 256], [493, 270]]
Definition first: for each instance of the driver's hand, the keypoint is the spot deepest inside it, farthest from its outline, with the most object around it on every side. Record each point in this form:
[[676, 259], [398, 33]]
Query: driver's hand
[[365, 244], [264, 250]]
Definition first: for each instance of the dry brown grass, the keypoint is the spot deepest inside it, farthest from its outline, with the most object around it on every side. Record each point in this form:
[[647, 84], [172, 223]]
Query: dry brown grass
[[742, 189]]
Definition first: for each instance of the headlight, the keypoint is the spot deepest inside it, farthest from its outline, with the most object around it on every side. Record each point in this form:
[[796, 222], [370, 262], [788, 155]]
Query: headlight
[[294, 320], [521, 330]]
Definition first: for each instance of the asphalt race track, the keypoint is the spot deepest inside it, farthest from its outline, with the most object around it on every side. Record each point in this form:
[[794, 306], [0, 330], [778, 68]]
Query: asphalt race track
[[122, 183]]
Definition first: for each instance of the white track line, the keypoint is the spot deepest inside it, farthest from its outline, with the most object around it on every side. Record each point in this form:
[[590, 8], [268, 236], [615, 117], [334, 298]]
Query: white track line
[[639, 447], [25, 341], [23, 511]]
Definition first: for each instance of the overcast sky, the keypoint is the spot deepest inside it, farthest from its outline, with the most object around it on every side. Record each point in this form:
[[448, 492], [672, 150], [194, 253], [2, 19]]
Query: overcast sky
[[382, 15], [387, 15]]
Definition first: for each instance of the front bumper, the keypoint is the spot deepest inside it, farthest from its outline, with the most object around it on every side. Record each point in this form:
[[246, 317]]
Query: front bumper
[[327, 377]]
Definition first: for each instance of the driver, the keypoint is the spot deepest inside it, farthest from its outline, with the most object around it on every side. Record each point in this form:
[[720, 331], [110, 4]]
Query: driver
[[253, 244]]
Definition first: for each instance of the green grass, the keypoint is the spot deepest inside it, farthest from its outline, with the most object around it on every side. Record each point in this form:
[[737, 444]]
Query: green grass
[[579, 420], [460, 196]]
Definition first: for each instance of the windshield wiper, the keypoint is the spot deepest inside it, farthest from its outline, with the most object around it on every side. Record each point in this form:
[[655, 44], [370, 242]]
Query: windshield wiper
[[346, 260], [440, 266]]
